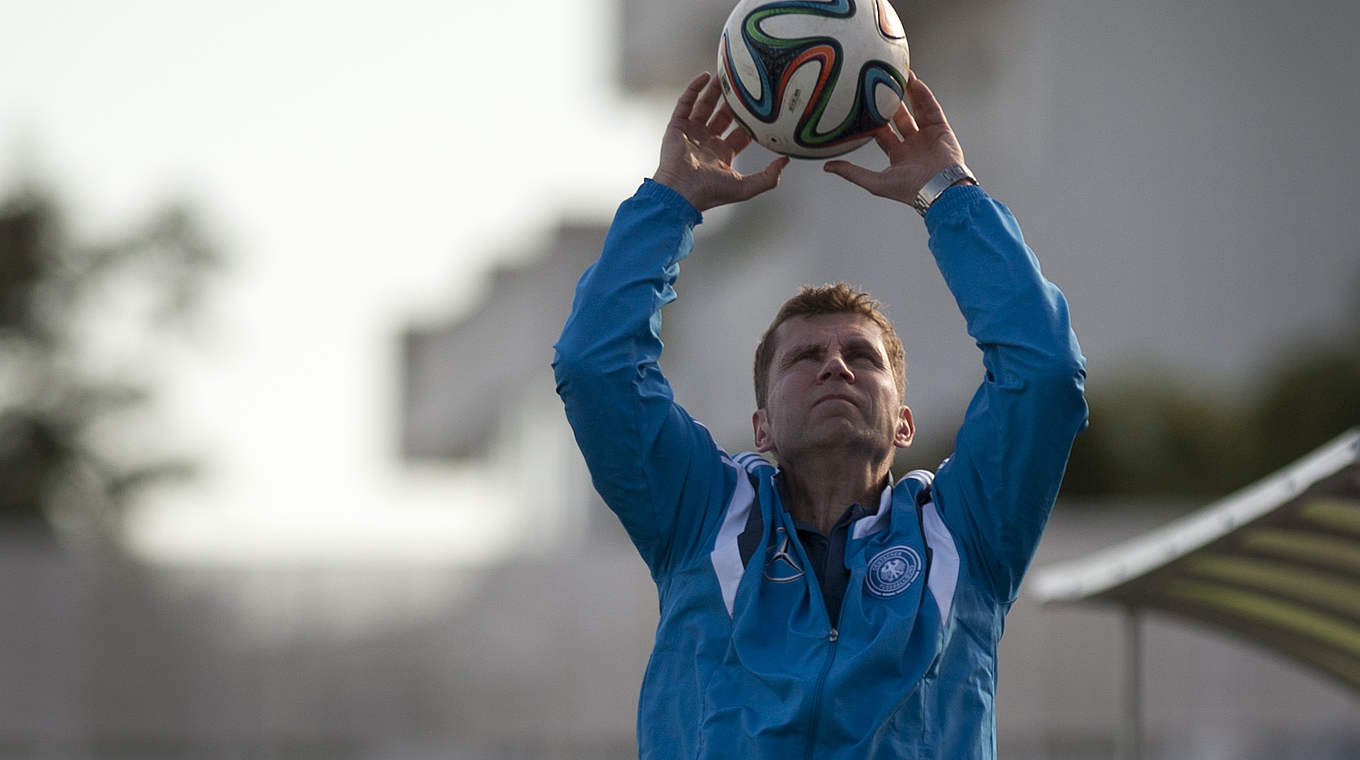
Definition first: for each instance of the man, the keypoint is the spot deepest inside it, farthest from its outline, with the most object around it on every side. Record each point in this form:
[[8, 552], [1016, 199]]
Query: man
[[817, 609]]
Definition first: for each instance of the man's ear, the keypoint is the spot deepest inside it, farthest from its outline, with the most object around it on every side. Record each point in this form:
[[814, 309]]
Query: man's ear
[[760, 432], [905, 430]]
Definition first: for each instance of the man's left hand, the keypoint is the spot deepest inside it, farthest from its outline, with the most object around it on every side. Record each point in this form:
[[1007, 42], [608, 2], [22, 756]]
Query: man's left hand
[[921, 147]]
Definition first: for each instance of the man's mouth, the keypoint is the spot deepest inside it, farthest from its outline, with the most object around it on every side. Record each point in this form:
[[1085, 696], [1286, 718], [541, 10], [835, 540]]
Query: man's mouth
[[834, 397]]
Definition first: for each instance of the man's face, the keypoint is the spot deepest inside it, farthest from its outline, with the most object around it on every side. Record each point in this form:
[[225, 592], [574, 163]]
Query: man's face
[[831, 388]]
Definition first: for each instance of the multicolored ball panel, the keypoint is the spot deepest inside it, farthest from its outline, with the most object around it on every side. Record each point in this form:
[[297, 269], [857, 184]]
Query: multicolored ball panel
[[812, 79]]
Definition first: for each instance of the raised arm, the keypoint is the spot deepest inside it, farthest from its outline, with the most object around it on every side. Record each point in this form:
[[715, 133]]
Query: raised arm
[[654, 466], [998, 488]]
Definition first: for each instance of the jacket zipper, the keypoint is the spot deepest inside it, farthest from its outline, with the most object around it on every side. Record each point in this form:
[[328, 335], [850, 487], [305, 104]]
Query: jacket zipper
[[832, 637]]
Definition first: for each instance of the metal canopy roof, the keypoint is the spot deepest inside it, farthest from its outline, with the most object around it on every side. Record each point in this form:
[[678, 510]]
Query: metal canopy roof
[[1277, 563]]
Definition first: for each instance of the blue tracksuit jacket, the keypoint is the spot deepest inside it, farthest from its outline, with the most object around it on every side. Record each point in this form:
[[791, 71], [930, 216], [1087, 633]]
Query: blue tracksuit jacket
[[746, 663]]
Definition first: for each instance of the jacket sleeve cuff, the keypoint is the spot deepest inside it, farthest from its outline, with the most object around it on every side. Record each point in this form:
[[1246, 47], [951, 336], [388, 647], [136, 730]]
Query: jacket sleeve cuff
[[951, 202], [667, 198]]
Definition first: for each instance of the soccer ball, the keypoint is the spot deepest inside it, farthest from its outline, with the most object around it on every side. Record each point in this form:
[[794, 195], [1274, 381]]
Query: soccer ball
[[811, 78]]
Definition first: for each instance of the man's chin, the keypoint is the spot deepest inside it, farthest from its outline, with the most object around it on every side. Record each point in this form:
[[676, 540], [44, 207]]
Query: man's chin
[[846, 440]]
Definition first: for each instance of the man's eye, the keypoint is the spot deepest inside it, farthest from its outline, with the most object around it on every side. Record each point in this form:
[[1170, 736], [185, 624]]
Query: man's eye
[[864, 356]]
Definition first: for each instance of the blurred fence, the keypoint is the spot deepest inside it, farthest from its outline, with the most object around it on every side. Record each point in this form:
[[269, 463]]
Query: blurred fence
[[106, 658]]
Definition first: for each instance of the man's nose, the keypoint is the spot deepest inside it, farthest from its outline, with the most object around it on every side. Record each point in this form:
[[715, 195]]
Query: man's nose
[[835, 366]]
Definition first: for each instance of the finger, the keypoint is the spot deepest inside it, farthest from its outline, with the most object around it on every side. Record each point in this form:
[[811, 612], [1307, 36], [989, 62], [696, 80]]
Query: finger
[[854, 173], [708, 98], [722, 119], [764, 180], [923, 103], [685, 103], [903, 120], [776, 167], [887, 139], [738, 140]]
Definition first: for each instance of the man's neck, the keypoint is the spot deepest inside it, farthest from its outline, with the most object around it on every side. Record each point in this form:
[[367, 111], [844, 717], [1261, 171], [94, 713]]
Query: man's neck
[[819, 491]]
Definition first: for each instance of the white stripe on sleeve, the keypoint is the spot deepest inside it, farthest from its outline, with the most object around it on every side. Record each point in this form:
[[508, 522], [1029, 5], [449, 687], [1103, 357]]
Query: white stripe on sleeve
[[944, 563], [726, 552]]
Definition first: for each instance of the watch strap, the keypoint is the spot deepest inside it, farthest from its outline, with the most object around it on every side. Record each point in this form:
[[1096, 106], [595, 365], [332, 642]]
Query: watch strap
[[941, 182]]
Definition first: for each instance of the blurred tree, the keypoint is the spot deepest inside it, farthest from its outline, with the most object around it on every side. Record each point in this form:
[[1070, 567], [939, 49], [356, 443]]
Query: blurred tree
[[73, 319], [1158, 438], [1162, 437], [1307, 401]]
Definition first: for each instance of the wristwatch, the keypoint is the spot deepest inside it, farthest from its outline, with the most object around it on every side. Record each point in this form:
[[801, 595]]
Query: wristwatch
[[940, 183]]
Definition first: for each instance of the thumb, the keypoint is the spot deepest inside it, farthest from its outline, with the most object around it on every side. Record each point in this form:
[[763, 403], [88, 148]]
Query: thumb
[[767, 178], [853, 173], [776, 167]]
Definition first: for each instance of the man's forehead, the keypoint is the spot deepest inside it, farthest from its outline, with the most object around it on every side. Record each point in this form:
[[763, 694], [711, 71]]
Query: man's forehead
[[820, 328]]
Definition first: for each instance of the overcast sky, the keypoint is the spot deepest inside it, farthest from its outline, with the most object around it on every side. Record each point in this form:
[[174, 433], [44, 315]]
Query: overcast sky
[[358, 165]]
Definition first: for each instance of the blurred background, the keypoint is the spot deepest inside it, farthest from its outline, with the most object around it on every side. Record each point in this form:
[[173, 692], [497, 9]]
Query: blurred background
[[282, 473]]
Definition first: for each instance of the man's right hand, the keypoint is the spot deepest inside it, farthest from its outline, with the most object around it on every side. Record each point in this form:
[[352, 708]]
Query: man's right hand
[[696, 159]]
